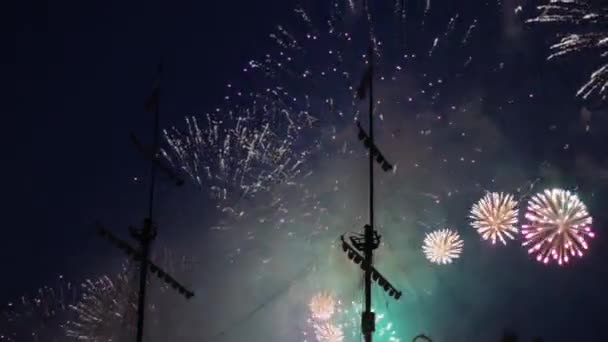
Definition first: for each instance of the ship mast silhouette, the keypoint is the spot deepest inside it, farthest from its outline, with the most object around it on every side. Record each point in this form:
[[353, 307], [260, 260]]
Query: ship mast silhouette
[[367, 242], [146, 235]]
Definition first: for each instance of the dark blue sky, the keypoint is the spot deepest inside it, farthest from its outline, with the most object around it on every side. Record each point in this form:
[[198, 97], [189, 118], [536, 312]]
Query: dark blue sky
[[81, 74]]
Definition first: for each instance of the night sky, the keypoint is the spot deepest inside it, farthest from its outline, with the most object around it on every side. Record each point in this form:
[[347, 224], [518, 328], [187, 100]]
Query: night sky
[[83, 70], [90, 69]]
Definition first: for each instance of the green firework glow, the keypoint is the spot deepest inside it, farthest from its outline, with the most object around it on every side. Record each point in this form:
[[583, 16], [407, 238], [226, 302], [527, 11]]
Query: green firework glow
[[346, 326], [350, 322]]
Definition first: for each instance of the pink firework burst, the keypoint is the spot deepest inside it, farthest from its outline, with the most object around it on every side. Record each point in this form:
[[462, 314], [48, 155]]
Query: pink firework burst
[[557, 225]]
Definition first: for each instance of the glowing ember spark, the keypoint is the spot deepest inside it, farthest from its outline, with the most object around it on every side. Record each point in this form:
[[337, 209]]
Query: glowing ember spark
[[558, 223], [322, 306], [442, 246], [495, 217]]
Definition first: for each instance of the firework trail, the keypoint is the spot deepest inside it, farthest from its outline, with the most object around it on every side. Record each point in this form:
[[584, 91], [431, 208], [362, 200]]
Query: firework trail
[[557, 225], [442, 246], [39, 318], [586, 31], [495, 217]]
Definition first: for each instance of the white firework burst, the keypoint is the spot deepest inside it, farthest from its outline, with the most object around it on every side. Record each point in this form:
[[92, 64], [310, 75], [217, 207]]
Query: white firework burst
[[495, 217], [442, 246], [558, 223], [107, 310], [238, 152]]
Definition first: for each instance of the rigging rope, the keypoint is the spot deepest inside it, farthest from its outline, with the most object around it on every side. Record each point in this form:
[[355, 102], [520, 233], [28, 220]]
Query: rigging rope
[[262, 305]]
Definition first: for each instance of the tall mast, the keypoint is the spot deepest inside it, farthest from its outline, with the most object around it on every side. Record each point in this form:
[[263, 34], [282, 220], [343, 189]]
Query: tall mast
[[148, 232], [368, 327]]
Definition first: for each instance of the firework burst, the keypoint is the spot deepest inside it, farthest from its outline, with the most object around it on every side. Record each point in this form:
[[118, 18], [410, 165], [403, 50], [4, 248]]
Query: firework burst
[[294, 107], [313, 70], [589, 34], [238, 152], [442, 246], [107, 310], [558, 224], [495, 217], [39, 318], [322, 306]]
